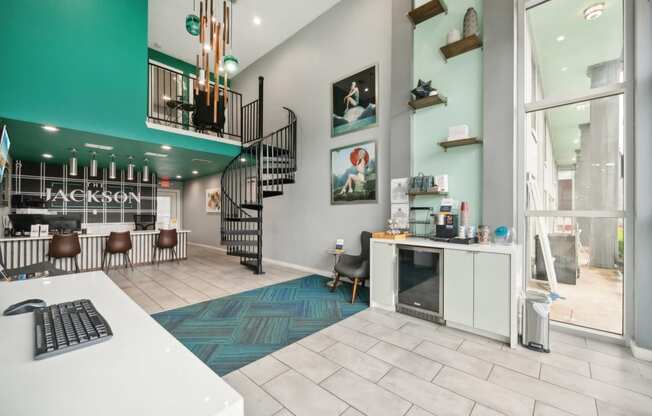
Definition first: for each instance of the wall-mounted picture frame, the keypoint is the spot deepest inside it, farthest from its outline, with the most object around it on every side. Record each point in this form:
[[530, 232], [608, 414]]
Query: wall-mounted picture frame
[[354, 102], [213, 200], [354, 174]]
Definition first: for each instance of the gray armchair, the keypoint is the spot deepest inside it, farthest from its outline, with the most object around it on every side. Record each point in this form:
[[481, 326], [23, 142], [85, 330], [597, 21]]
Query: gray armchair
[[355, 268]]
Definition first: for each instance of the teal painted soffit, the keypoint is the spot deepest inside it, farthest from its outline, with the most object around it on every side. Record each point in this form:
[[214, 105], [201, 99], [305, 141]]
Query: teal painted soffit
[[29, 141]]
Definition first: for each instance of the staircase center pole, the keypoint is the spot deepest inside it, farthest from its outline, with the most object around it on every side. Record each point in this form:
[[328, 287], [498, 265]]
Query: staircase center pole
[[259, 187]]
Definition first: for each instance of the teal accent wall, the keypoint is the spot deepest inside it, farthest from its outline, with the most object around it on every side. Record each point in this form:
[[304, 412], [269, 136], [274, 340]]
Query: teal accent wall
[[459, 79], [82, 65]]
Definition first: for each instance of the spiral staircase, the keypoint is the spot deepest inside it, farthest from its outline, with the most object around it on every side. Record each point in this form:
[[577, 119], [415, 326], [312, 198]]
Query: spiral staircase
[[265, 164]]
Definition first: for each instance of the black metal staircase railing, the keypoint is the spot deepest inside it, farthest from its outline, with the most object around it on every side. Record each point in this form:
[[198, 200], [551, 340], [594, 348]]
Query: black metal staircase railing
[[264, 165], [172, 102]]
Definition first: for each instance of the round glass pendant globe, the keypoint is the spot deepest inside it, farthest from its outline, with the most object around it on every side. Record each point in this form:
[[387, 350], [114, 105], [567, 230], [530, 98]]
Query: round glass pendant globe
[[231, 64], [192, 24]]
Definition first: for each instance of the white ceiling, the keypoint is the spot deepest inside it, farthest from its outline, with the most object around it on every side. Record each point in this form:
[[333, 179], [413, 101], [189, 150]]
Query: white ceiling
[[280, 20]]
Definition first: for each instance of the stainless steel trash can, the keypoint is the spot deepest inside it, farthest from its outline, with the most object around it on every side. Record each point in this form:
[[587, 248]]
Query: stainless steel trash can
[[536, 333]]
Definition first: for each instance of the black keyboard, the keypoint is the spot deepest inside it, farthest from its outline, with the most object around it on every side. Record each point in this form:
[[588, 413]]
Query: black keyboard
[[68, 326]]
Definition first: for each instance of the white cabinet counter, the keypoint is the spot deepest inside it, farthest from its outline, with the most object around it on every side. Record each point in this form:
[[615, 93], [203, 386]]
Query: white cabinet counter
[[481, 284], [141, 370]]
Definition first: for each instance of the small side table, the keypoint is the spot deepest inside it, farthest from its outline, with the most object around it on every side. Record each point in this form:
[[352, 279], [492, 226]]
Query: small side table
[[336, 256]]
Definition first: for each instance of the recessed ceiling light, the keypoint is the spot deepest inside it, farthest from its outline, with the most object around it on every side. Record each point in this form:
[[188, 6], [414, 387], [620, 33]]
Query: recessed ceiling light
[[98, 146], [50, 128], [47, 155], [594, 11], [257, 20], [155, 154], [366, 90], [561, 38], [166, 147], [178, 176], [564, 68], [243, 159], [195, 172]]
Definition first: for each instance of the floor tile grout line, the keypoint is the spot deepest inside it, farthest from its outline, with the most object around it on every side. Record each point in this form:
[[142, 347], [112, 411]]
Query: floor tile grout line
[[376, 384], [473, 400]]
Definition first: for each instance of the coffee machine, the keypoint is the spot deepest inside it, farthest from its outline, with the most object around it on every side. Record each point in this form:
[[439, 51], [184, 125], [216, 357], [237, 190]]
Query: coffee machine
[[446, 225]]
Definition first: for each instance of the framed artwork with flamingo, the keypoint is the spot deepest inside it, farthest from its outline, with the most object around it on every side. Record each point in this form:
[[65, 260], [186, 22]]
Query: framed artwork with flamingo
[[354, 174]]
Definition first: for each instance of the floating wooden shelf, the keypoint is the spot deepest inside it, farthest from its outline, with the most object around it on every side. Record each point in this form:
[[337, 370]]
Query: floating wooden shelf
[[467, 44], [427, 193], [459, 142], [428, 101], [427, 10]]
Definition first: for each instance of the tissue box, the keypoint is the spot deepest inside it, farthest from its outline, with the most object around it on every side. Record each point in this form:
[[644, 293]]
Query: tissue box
[[458, 132]]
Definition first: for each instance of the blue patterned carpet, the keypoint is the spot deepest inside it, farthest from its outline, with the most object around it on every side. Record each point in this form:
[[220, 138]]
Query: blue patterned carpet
[[231, 332]]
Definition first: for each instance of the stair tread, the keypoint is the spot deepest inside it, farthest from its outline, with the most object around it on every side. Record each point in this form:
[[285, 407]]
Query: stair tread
[[240, 232], [280, 181], [267, 159], [268, 194], [246, 254], [241, 219], [283, 170], [268, 150], [256, 207], [236, 243]]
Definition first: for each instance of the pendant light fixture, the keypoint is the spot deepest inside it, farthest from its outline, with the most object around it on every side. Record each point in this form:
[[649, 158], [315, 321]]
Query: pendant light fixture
[[231, 64], [112, 168], [72, 166], [130, 169], [94, 164], [146, 171], [215, 54], [192, 22]]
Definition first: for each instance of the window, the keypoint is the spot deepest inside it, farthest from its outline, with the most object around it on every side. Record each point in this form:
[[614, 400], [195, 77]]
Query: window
[[574, 145]]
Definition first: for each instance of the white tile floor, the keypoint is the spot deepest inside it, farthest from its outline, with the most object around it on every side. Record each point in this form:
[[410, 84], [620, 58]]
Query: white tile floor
[[379, 363], [206, 274]]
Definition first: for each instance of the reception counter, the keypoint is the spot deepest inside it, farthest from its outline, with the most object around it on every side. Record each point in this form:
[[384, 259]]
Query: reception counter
[[23, 251]]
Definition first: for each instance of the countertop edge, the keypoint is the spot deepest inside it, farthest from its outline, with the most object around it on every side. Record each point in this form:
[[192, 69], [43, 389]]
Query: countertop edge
[[424, 242], [26, 238]]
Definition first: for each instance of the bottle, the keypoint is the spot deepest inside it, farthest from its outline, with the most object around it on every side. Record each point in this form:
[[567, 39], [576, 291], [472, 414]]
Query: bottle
[[464, 210]]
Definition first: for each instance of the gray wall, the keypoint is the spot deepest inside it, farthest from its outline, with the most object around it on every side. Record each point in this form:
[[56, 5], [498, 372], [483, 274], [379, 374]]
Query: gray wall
[[301, 224], [499, 147], [643, 169], [205, 227], [401, 83]]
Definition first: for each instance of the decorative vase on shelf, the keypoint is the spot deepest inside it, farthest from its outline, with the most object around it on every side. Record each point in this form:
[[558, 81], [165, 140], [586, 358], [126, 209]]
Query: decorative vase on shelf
[[471, 25], [453, 36]]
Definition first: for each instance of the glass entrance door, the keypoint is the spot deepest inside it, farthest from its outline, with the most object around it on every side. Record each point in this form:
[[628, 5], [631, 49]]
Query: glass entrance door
[[575, 151]]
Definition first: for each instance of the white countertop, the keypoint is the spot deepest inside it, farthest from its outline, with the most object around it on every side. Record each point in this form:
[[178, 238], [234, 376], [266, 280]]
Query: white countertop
[[49, 237], [424, 242], [142, 370]]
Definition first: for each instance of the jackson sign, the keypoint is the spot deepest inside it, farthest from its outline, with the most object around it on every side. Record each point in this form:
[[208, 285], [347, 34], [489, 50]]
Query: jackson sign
[[79, 195]]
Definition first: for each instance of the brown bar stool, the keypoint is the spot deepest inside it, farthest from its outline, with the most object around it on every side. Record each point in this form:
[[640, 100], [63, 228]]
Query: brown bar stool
[[166, 240], [118, 243], [65, 246]]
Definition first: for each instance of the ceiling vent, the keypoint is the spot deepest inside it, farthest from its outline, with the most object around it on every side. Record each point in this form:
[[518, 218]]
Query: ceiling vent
[[201, 161]]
